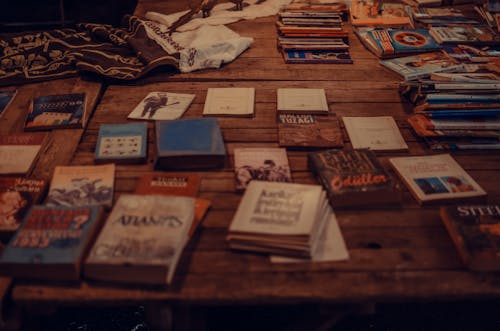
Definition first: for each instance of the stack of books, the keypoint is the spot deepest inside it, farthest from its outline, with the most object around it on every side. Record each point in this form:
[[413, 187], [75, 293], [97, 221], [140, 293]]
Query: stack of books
[[309, 34], [490, 12]]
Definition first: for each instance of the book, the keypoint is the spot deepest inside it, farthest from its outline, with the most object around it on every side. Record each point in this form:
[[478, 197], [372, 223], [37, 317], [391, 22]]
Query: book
[[280, 218], [51, 243], [82, 186], [301, 100], [230, 101], [378, 133], [353, 178], [422, 127], [317, 56], [473, 53], [462, 143], [59, 111], [421, 65], [122, 143], [304, 130], [6, 98], [17, 195], [162, 106], [464, 34], [266, 164], [19, 152], [141, 240], [474, 231], [456, 123], [372, 12], [189, 144], [436, 178]]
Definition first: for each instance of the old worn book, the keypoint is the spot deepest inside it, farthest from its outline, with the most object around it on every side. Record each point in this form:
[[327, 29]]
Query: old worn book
[[6, 98], [230, 101], [142, 240], [162, 106], [189, 144], [59, 111], [82, 186], [436, 178], [302, 101], [51, 243], [474, 230], [266, 164], [17, 195], [19, 152], [279, 218], [378, 133], [353, 178], [122, 143], [304, 130]]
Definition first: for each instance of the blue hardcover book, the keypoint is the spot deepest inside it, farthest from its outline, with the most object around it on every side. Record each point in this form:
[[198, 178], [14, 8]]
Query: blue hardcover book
[[122, 143], [391, 42], [51, 243], [189, 144]]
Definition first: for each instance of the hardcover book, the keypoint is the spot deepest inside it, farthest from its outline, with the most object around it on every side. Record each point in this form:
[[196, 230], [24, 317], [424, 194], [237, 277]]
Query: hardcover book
[[301, 100], [82, 186], [231, 101], [189, 144], [142, 240], [353, 178], [436, 178], [162, 106], [51, 243], [19, 152], [17, 195], [474, 231], [379, 133], [122, 143], [6, 98], [303, 130], [60, 111], [266, 164]]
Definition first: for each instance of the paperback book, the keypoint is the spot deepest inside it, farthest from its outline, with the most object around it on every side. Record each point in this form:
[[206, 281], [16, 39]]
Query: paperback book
[[317, 56], [379, 133], [162, 106], [142, 240], [302, 101], [60, 111], [122, 143], [231, 101], [6, 98], [375, 13], [51, 243], [464, 34], [436, 178], [265, 164], [19, 152]]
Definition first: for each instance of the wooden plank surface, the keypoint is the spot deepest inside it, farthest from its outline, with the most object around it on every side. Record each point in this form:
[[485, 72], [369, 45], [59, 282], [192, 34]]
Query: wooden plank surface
[[397, 253]]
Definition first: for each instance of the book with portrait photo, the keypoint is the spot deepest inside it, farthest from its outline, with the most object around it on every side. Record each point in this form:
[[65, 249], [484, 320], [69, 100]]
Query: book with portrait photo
[[162, 106]]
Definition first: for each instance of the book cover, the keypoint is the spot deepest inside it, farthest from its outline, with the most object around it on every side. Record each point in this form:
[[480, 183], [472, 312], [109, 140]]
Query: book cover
[[457, 123], [162, 106], [379, 133], [424, 128], [17, 195], [464, 34], [19, 152], [390, 42], [59, 111], [189, 143], [475, 232], [6, 98], [82, 186], [436, 178], [373, 12], [230, 101], [302, 130], [122, 143], [301, 100], [142, 239], [353, 178], [51, 243], [317, 56], [421, 65], [266, 164]]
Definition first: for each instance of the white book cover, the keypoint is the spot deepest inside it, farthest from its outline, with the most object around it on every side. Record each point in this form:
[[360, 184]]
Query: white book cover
[[278, 208], [162, 106], [378, 133], [436, 177], [230, 101], [302, 100]]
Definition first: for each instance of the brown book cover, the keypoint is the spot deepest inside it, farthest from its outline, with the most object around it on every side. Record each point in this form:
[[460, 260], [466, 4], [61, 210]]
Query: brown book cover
[[17, 195], [303, 130], [475, 231], [353, 178], [19, 151]]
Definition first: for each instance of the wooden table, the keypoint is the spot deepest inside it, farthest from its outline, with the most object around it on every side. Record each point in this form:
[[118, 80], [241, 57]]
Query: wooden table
[[397, 254]]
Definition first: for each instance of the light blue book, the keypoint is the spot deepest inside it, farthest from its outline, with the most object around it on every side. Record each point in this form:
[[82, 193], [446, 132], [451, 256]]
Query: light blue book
[[122, 143]]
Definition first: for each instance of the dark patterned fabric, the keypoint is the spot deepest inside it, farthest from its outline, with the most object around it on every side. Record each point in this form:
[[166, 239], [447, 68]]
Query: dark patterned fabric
[[124, 53]]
